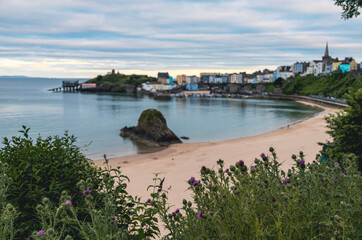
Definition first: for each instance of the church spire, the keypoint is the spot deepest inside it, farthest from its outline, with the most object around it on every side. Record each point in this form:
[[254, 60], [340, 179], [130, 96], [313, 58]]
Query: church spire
[[326, 53]]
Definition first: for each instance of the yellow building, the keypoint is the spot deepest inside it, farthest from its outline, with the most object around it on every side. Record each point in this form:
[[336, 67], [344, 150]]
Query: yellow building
[[336, 66], [353, 65], [181, 79]]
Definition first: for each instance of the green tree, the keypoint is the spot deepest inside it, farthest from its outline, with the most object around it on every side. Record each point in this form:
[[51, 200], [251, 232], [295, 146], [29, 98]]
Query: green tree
[[346, 129], [351, 8]]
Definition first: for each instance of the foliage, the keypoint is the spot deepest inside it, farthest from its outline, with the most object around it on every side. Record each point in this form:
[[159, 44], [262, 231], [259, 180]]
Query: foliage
[[350, 7], [8, 213], [333, 85], [42, 168], [310, 201], [117, 82], [120, 217], [94, 203], [346, 129]]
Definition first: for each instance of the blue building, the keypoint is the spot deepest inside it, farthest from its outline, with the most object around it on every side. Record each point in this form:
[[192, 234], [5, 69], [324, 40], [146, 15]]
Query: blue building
[[345, 67], [192, 87], [170, 80]]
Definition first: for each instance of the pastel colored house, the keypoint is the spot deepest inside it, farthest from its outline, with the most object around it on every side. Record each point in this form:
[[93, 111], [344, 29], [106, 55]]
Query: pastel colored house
[[192, 87], [335, 66], [181, 79]]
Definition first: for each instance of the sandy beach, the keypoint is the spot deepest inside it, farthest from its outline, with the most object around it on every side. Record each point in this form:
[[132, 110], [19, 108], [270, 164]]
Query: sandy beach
[[181, 161]]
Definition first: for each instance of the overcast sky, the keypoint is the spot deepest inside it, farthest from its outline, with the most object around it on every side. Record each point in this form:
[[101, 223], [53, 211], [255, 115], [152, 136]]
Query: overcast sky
[[84, 38]]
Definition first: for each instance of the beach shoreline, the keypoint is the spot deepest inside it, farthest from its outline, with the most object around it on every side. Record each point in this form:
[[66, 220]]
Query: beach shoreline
[[179, 162]]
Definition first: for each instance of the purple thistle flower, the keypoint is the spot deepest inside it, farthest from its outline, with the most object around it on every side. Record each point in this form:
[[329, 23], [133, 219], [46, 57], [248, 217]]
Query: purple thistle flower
[[177, 210], [360, 203], [192, 180], [262, 155], [226, 170], [241, 163], [86, 192], [41, 233], [199, 215], [244, 198], [149, 200], [287, 180], [302, 161], [69, 202], [113, 218], [342, 174], [335, 180], [195, 183], [336, 164], [314, 161], [253, 167]]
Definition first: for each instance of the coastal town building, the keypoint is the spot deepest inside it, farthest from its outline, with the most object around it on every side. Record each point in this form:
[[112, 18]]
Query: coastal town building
[[181, 79], [300, 67], [163, 77]]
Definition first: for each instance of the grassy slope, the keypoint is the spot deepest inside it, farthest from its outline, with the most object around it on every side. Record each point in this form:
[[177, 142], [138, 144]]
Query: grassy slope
[[334, 85], [119, 80]]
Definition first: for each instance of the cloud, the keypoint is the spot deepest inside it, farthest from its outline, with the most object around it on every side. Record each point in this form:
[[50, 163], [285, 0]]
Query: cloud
[[85, 36]]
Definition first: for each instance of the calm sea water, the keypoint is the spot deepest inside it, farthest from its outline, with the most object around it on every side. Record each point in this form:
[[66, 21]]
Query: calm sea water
[[98, 118]]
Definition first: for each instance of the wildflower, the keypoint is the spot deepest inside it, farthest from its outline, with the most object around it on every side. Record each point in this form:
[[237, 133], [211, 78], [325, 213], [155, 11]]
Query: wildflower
[[203, 168], [41, 233], [69, 202], [149, 200], [241, 163], [192, 180], [287, 180], [86, 192], [8, 214], [302, 161], [199, 215], [177, 210], [226, 170], [342, 174], [253, 166], [262, 155], [113, 218], [244, 198], [336, 164], [360, 203], [335, 180], [282, 193], [195, 183], [314, 161]]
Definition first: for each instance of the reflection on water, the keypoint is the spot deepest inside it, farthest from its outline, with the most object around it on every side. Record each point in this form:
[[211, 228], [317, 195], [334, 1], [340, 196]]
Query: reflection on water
[[99, 117]]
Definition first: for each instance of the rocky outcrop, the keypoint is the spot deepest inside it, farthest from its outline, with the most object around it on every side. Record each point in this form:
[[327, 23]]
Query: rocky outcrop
[[151, 130]]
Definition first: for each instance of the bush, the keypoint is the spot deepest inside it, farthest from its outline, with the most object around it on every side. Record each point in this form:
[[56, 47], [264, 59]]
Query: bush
[[8, 213], [310, 201], [119, 215], [346, 129], [54, 169]]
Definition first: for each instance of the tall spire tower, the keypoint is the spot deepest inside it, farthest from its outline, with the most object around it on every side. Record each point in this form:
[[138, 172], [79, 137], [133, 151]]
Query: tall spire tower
[[326, 53]]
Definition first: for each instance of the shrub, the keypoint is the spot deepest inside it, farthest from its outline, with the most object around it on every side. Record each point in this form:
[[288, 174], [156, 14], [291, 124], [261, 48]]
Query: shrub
[[42, 168], [80, 201], [346, 129], [119, 215], [309, 201], [8, 213]]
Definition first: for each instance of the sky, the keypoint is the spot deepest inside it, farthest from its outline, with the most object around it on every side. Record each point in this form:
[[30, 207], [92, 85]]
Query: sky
[[85, 38]]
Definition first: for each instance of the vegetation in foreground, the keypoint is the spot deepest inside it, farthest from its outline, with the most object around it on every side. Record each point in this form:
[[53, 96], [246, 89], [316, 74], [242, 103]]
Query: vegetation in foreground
[[49, 190]]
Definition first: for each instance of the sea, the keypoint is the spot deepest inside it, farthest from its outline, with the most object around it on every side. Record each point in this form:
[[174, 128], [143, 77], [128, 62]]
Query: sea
[[96, 118]]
